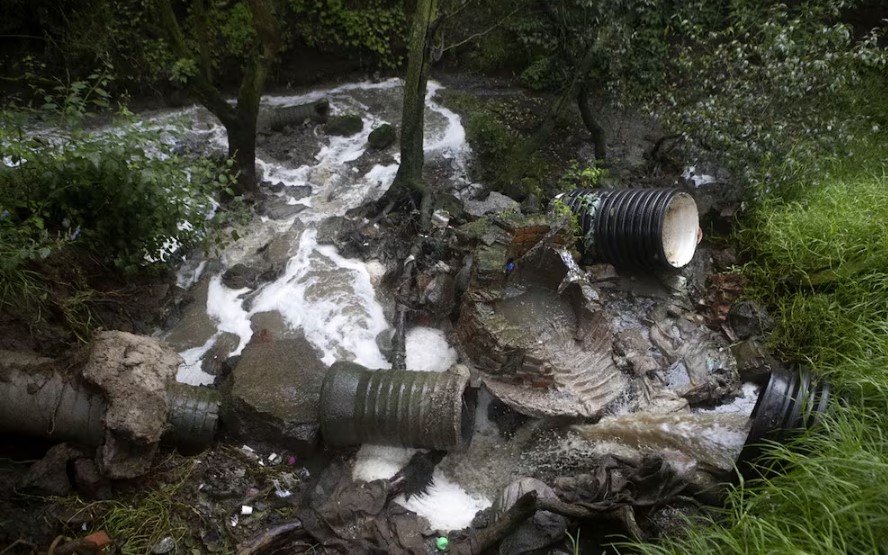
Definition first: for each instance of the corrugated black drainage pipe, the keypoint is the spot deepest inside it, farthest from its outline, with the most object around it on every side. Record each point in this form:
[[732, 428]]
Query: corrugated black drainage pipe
[[636, 228], [396, 407], [791, 402], [193, 417], [53, 406]]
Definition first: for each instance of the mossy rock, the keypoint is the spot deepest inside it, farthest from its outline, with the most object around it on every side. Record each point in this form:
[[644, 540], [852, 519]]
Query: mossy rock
[[345, 126], [382, 137]]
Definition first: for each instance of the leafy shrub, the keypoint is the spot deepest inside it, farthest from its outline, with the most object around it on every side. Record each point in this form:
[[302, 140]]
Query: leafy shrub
[[370, 28], [123, 194], [577, 177]]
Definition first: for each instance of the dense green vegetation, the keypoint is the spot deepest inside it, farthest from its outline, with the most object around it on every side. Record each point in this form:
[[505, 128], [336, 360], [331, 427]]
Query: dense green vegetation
[[791, 98], [121, 200], [820, 262]]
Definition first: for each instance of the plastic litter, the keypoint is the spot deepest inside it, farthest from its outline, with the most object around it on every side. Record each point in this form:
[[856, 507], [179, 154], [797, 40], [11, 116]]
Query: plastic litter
[[441, 543]]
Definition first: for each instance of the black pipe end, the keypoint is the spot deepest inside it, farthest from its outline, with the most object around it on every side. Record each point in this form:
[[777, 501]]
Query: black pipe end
[[792, 401]]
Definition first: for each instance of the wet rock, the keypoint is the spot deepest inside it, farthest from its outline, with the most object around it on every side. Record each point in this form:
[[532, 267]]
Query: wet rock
[[384, 342], [240, 276], [439, 296], [754, 363], [299, 192], [719, 384], [495, 202], [273, 393], [537, 532], [280, 117], [345, 126], [452, 205], [276, 254], [382, 137], [748, 319], [49, 475], [602, 273], [274, 188], [636, 352], [196, 327], [89, 482], [132, 373], [214, 359], [271, 325], [277, 208], [330, 230]]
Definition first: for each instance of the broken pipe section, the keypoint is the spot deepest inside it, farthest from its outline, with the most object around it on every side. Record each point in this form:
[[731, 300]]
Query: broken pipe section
[[396, 407], [791, 402], [636, 228], [58, 407]]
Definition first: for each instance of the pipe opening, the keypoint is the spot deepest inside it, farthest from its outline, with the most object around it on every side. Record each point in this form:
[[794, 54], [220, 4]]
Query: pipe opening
[[679, 231]]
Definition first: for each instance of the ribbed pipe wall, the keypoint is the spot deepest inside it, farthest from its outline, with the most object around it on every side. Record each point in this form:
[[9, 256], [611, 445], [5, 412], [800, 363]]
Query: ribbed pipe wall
[[47, 404], [636, 228], [395, 407], [791, 402]]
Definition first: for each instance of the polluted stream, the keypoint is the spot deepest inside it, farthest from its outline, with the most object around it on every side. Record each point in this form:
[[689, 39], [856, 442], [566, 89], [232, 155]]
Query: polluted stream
[[331, 299], [337, 304]]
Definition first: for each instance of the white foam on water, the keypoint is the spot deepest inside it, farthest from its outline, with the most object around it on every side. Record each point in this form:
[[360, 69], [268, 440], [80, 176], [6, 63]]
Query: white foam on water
[[428, 350], [332, 300], [225, 307], [452, 138], [380, 462], [446, 505], [191, 370], [312, 96], [749, 394]]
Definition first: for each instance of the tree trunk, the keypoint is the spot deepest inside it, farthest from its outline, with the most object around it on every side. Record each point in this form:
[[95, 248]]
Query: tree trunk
[[598, 137], [242, 148], [409, 176], [240, 121], [570, 93]]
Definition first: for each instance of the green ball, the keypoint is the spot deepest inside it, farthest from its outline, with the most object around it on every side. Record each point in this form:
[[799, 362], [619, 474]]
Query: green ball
[[441, 543]]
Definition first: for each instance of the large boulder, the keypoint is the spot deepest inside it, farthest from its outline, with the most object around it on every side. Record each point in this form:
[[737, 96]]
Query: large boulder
[[132, 373], [272, 394]]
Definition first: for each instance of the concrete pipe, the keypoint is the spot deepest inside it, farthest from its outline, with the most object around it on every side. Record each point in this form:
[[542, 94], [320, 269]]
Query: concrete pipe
[[636, 228], [51, 405], [396, 407]]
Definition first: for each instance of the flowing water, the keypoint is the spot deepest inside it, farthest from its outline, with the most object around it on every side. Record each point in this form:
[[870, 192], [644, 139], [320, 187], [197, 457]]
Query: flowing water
[[334, 302], [330, 298]]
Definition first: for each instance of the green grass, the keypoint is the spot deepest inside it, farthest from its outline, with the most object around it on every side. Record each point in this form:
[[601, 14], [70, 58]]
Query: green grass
[[821, 263]]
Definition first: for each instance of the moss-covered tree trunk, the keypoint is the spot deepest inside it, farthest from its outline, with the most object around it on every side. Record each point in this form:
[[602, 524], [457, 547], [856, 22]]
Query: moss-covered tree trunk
[[408, 180], [239, 120]]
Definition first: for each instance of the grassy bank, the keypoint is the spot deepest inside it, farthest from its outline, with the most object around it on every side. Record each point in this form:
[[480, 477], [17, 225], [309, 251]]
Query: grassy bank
[[821, 263]]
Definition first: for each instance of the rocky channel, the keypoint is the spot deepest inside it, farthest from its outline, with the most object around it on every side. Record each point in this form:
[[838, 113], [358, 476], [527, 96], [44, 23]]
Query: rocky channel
[[614, 394]]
